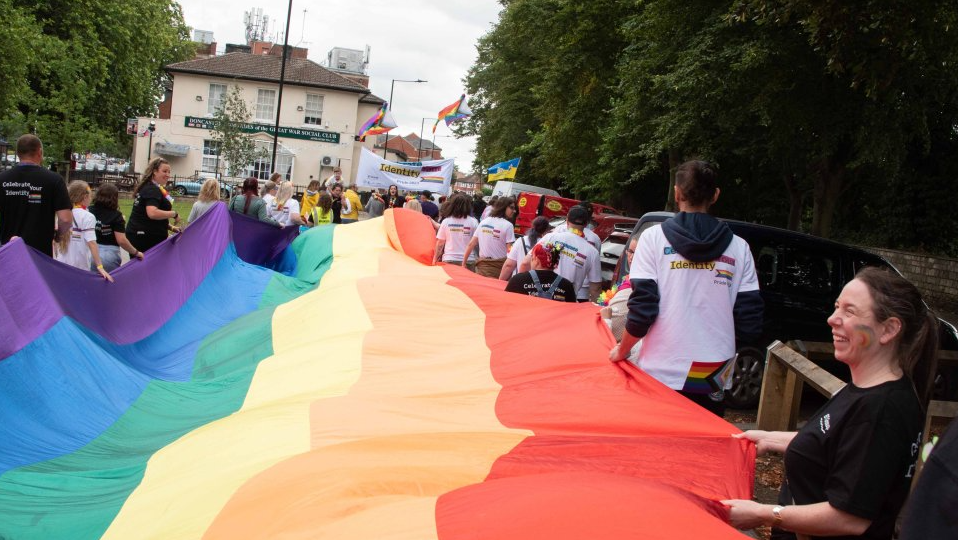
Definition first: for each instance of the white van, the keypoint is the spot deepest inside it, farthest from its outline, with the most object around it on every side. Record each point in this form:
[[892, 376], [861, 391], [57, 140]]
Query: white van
[[506, 188]]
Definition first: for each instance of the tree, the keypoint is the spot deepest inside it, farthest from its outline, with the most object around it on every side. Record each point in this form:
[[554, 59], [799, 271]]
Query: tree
[[80, 69], [236, 147]]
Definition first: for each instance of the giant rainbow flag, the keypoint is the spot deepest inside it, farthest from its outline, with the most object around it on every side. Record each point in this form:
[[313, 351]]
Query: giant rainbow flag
[[242, 382]]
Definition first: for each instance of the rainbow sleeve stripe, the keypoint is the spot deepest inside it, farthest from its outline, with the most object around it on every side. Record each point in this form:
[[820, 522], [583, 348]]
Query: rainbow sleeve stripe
[[242, 382]]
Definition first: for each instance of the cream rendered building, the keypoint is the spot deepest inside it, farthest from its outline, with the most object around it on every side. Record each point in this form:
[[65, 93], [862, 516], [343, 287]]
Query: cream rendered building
[[321, 111]]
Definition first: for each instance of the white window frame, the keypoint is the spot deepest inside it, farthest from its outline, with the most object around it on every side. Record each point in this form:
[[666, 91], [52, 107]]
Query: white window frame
[[285, 162], [265, 105], [215, 98], [314, 113], [210, 156]]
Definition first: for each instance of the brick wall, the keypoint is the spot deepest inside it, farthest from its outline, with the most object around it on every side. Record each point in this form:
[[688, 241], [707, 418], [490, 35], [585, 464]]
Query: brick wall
[[935, 277]]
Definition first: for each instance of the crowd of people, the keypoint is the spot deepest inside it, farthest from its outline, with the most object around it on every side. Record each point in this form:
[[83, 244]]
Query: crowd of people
[[691, 295]]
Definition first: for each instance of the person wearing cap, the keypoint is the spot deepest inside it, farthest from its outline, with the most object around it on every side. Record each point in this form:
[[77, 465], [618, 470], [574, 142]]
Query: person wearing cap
[[694, 292], [587, 232], [579, 260], [541, 280]]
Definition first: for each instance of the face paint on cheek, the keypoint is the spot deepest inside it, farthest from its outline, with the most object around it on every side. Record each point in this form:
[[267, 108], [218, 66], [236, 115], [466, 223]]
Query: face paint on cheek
[[863, 336]]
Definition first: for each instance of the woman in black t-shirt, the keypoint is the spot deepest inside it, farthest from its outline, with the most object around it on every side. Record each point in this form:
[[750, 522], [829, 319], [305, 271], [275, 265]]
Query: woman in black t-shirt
[[393, 199], [848, 470], [152, 208], [336, 192], [111, 228], [542, 281]]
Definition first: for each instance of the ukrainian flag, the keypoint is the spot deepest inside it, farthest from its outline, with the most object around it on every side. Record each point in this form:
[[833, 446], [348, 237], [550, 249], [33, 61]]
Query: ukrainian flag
[[504, 170]]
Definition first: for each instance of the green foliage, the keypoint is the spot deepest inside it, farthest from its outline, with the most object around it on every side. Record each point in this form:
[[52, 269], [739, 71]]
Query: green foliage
[[73, 72], [237, 149], [810, 107]]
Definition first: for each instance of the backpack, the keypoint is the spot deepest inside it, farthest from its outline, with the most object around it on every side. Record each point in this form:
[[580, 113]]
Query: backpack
[[550, 294]]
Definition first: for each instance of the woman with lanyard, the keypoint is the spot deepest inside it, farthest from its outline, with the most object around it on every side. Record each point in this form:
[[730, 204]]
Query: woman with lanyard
[[393, 199], [340, 204], [542, 281], [540, 227], [849, 469], [152, 208]]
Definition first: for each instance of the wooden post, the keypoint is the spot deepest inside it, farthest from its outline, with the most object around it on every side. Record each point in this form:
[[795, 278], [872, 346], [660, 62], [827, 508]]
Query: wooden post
[[785, 373]]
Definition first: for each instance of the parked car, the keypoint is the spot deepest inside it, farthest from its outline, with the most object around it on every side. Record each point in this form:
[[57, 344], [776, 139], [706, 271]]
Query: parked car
[[612, 248], [605, 224], [800, 276], [192, 187]]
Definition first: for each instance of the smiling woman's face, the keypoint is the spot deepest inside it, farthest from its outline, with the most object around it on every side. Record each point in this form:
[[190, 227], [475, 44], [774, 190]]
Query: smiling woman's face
[[854, 328]]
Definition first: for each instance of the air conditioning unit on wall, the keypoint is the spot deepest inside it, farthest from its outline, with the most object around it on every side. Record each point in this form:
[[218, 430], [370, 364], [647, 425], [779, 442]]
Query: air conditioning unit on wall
[[330, 161]]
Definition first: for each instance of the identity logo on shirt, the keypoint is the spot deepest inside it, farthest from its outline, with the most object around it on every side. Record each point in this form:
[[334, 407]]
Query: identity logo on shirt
[[458, 228], [825, 422], [489, 229]]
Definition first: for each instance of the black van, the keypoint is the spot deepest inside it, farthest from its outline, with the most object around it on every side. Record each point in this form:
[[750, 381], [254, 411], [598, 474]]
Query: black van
[[800, 277]]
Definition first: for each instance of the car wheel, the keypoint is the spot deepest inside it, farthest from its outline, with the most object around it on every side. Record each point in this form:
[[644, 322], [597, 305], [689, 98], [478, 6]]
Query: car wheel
[[747, 380], [179, 190]]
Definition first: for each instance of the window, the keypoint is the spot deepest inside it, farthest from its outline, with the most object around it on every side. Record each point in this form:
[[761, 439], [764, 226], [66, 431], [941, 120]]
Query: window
[[266, 105], [260, 167], [314, 109], [217, 92], [211, 152]]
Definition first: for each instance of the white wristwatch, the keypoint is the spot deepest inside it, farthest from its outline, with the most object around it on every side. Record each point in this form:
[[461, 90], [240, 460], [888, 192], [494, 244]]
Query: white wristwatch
[[777, 514]]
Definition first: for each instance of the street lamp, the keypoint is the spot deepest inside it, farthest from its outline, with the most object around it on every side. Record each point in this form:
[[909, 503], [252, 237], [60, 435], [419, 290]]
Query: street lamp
[[422, 125], [389, 106], [149, 149]]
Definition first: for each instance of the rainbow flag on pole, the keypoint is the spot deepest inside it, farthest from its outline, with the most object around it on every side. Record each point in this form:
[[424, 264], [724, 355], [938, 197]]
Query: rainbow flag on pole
[[379, 123], [453, 113], [285, 385]]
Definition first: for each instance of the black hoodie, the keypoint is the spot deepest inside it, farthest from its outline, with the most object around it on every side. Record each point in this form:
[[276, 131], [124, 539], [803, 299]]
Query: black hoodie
[[698, 237]]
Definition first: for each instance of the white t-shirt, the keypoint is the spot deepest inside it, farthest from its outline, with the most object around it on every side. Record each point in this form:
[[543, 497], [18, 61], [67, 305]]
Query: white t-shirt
[[495, 235], [518, 252], [457, 232], [486, 211], [579, 262], [590, 236], [695, 321], [83, 230], [269, 199], [281, 216]]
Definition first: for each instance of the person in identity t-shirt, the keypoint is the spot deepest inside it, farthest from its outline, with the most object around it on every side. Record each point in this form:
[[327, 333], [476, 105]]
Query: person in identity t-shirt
[[694, 290], [579, 261], [455, 232], [495, 236], [30, 197]]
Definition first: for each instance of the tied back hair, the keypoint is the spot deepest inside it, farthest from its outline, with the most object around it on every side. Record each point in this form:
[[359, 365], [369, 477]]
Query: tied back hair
[[148, 173], [917, 348]]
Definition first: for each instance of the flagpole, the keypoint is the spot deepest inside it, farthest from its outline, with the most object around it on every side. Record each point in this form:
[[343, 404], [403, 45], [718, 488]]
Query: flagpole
[[389, 105], [282, 77]]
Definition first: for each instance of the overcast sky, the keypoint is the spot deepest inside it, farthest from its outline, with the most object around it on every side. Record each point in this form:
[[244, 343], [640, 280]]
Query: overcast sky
[[409, 39]]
